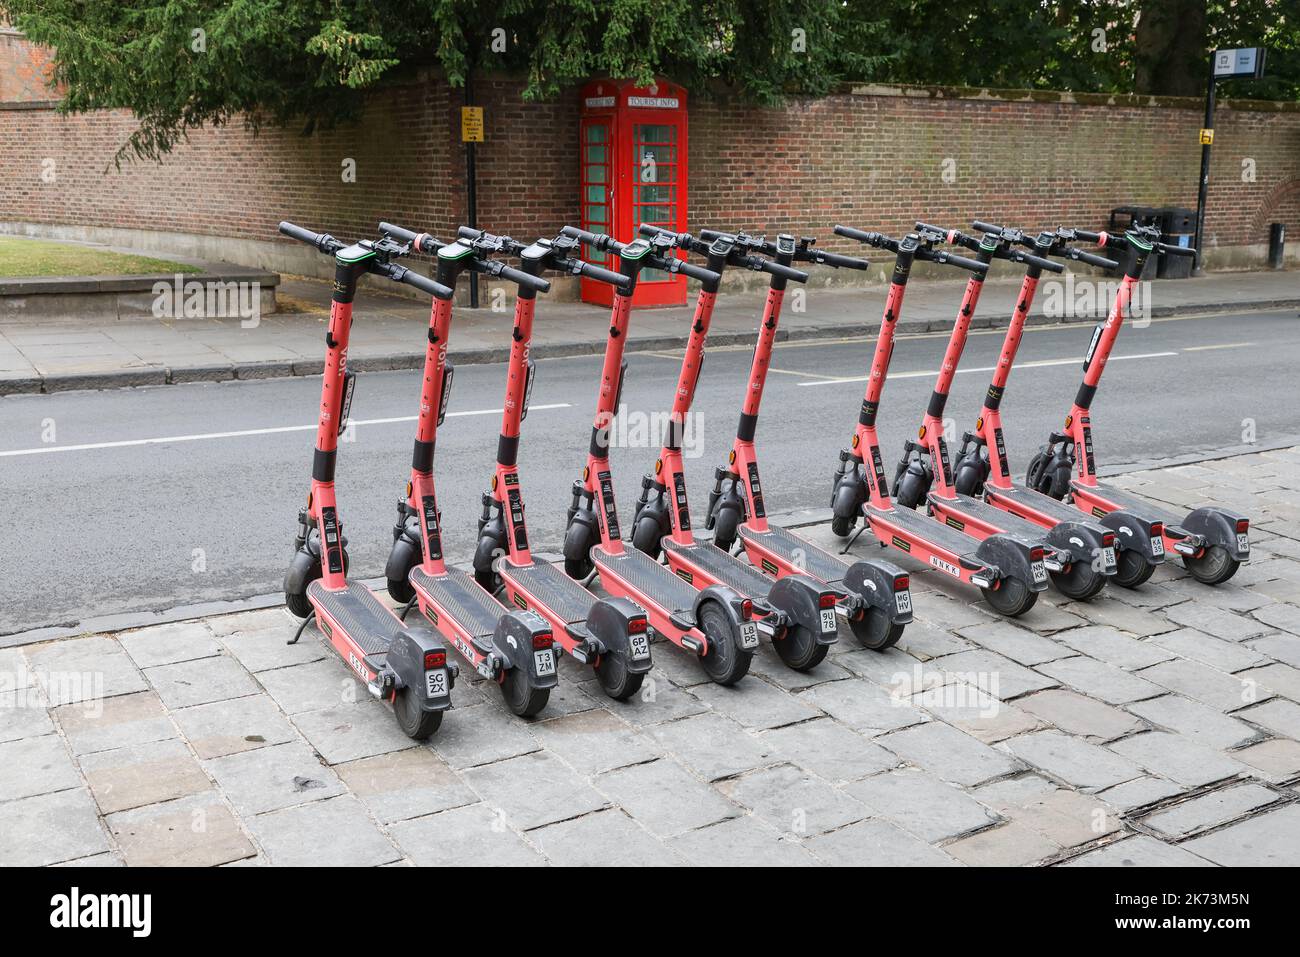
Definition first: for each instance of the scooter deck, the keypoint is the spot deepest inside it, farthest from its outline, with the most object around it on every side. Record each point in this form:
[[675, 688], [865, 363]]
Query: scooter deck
[[928, 530], [1128, 502], [550, 586], [980, 511], [656, 582], [461, 597], [1034, 500], [370, 623], [817, 562], [723, 567]]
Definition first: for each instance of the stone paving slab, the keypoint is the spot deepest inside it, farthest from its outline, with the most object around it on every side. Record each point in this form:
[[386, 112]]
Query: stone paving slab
[[1153, 727]]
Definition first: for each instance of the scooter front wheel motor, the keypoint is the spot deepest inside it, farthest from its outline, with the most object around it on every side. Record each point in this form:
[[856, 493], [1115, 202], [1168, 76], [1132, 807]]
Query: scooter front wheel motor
[[1214, 566]]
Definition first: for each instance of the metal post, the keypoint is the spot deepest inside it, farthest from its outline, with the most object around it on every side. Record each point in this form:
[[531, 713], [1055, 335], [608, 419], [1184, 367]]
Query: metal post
[[471, 194], [1204, 187]]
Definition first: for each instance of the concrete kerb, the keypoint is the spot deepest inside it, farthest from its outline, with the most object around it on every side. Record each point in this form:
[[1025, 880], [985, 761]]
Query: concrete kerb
[[219, 372]]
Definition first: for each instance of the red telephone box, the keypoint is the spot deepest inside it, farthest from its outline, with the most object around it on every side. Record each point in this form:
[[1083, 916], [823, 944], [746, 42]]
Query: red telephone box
[[633, 171]]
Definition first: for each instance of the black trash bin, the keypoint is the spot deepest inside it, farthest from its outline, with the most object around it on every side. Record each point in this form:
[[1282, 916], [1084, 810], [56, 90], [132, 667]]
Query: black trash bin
[[1121, 217], [1178, 226]]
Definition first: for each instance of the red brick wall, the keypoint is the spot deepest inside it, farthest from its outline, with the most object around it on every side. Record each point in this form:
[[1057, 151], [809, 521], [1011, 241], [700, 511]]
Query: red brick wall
[[24, 69], [873, 158]]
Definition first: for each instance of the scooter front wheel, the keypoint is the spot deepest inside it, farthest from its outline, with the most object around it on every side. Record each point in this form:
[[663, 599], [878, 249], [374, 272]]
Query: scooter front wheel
[[615, 680], [799, 648], [646, 535], [1131, 568], [724, 528], [299, 605], [726, 662], [1214, 566], [415, 722], [400, 591], [1011, 597], [522, 697], [875, 631], [577, 542], [1080, 583], [909, 492]]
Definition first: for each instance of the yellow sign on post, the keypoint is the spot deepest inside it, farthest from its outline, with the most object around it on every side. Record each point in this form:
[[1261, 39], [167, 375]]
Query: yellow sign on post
[[1207, 137], [471, 124]]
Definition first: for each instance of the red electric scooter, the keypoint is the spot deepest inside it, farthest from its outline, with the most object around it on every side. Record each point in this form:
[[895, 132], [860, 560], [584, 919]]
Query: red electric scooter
[[511, 647], [1212, 541], [1078, 553], [716, 623], [609, 634], [1008, 570], [403, 664], [800, 611]]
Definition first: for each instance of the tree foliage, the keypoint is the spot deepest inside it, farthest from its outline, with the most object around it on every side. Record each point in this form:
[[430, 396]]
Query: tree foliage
[[179, 64]]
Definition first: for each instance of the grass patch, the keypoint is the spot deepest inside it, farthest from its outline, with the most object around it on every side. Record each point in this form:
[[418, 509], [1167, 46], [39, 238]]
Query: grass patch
[[21, 257]]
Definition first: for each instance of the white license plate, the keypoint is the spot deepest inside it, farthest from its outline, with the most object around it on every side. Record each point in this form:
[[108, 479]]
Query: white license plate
[[828, 620], [435, 683], [1243, 542], [1039, 571], [1157, 545], [640, 644], [903, 601], [544, 662], [1108, 558], [748, 635]]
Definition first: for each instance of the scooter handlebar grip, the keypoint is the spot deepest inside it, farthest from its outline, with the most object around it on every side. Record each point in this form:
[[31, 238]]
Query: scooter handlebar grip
[[521, 278], [862, 236], [425, 284], [1088, 236], [986, 227], [785, 272], [1176, 250], [599, 240], [974, 265], [650, 231], [1094, 260], [468, 232], [305, 236], [838, 261], [697, 272], [709, 235], [1041, 263], [600, 274], [420, 242]]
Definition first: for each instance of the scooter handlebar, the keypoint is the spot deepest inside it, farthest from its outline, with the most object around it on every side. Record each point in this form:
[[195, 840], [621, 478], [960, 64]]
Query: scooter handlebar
[[694, 271], [521, 278], [760, 264], [322, 241], [599, 240], [1038, 261], [822, 258], [412, 278], [1173, 250], [944, 257], [986, 227], [420, 242], [861, 235], [1092, 259], [600, 274]]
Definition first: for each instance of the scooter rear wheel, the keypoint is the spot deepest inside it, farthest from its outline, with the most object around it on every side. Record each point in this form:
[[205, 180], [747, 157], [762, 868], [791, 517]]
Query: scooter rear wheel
[[522, 698], [726, 662], [1214, 566], [799, 649], [1131, 569], [875, 631], [1012, 597], [415, 722], [1080, 583], [615, 680]]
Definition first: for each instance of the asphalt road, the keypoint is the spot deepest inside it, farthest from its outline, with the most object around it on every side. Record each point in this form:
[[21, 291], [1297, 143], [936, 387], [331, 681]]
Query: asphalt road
[[146, 499]]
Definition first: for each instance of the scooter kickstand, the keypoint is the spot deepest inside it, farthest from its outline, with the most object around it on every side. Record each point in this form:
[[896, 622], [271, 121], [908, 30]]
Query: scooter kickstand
[[407, 609], [849, 543], [298, 634]]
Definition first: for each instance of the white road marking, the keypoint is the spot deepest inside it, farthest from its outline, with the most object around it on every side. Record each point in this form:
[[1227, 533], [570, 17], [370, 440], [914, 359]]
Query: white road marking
[[200, 437], [930, 373], [1224, 345]]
